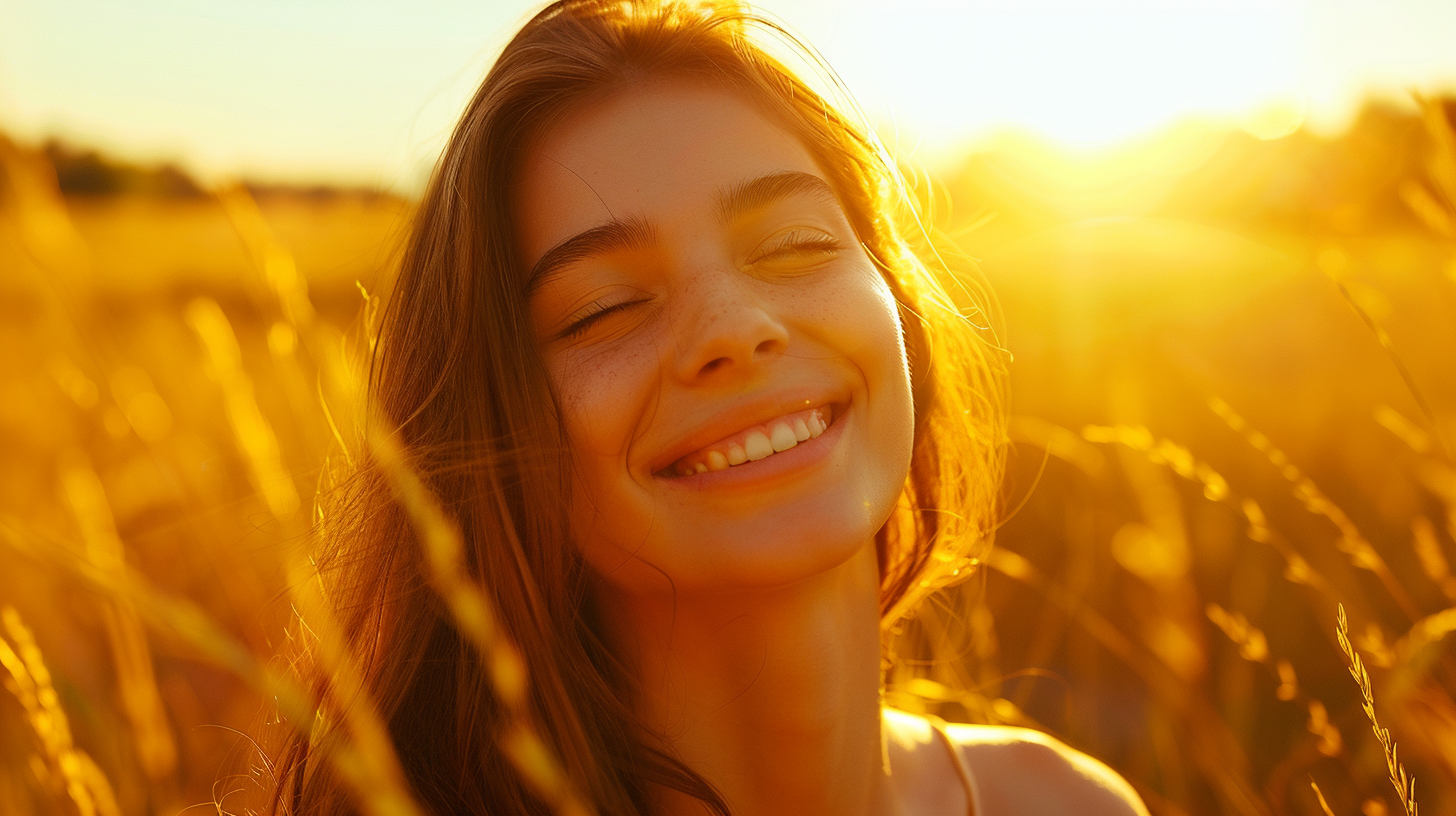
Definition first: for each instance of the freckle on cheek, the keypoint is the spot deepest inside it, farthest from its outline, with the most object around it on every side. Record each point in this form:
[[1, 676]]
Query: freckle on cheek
[[601, 400]]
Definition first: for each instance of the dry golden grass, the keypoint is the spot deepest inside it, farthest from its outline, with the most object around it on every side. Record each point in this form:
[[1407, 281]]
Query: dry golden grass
[[1232, 406], [1405, 786]]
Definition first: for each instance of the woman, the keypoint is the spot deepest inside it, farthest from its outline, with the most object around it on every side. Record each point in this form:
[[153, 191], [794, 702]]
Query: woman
[[710, 428]]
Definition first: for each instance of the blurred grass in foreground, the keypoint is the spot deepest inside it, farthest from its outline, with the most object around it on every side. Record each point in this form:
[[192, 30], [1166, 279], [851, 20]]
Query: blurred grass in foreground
[[1233, 401]]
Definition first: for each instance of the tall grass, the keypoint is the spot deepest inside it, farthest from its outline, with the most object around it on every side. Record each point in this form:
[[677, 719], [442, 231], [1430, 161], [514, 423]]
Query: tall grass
[[364, 757]]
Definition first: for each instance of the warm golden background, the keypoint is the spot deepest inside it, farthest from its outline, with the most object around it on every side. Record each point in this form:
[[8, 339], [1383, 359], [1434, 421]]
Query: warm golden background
[[1228, 279]]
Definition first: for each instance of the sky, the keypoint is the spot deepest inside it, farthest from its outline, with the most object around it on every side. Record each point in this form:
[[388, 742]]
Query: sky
[[366, 92]]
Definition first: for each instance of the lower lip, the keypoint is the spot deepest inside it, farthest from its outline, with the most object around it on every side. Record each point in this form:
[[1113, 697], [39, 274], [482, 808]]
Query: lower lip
[[787, 464]]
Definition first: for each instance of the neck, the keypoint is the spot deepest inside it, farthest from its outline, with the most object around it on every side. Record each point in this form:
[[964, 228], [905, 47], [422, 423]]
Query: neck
[[772, 695]]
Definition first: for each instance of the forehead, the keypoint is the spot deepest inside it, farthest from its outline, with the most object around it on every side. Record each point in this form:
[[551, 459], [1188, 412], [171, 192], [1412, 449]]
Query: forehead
[[660, 152]]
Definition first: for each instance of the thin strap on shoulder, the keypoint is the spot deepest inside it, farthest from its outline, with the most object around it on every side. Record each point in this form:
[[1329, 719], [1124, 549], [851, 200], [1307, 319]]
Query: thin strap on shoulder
[[967, 780]]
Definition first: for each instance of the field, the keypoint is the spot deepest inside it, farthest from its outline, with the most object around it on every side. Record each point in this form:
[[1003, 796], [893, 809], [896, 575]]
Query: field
[[1233, 410]]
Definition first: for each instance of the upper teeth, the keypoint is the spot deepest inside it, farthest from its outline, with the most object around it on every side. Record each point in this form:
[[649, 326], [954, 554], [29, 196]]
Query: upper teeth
[[757, 446], [758, 442]]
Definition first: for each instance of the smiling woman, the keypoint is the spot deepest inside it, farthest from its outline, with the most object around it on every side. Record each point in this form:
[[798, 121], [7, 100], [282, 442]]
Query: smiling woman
[[711, 430]]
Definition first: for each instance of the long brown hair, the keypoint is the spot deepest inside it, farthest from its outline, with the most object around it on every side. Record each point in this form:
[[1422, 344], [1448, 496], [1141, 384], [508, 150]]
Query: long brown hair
[[458, 378]]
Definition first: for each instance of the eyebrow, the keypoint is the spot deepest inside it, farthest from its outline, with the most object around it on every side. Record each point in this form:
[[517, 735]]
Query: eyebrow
[[617, 234], [750, 195], [631, 233]]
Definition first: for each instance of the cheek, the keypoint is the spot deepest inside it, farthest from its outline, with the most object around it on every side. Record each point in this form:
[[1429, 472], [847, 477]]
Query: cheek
[[601, 394], [853, 315], [605, 396], [865, 324], [856, 315], [877, 329], [887, 367]]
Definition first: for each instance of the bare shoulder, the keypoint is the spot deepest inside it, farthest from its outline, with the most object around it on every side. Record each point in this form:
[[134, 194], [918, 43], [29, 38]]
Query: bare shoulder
[[1021, 771]]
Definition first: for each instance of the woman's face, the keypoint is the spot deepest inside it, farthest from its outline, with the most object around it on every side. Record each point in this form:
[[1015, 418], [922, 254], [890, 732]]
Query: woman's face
[[726, 358]]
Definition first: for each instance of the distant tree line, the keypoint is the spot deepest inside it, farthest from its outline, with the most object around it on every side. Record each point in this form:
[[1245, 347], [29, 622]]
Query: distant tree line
[[81, 172]]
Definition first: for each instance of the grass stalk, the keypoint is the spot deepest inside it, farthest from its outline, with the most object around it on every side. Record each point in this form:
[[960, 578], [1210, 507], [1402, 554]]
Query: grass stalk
[[28, 679], [1324, 805], [1405, 785]]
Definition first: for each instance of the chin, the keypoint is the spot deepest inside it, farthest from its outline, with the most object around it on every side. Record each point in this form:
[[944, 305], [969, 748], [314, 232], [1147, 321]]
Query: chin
[[763, 547], [776, 548]]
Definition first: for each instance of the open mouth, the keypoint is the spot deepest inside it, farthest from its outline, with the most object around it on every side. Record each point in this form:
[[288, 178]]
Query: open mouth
[[755, 443]]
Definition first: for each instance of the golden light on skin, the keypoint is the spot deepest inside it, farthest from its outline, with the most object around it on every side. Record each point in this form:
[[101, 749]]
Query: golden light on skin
[[284, 92]]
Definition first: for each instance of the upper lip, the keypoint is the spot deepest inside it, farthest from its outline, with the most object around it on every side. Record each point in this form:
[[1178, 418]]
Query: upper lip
[[738, 417]]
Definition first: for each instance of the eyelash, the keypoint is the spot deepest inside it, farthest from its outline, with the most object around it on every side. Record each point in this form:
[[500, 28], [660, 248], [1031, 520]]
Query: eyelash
[[595, 312], [803, 243]]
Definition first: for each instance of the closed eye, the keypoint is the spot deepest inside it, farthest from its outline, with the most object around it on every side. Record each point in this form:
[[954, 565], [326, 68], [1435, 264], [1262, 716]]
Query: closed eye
[[593, 313], [798, 243]]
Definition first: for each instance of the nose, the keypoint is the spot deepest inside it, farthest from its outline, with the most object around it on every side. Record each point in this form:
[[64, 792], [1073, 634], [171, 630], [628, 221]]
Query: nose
[[727, 330]]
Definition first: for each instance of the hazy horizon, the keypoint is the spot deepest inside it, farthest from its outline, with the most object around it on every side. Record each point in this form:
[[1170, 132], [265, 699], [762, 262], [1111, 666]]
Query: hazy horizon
[[365, 94]]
